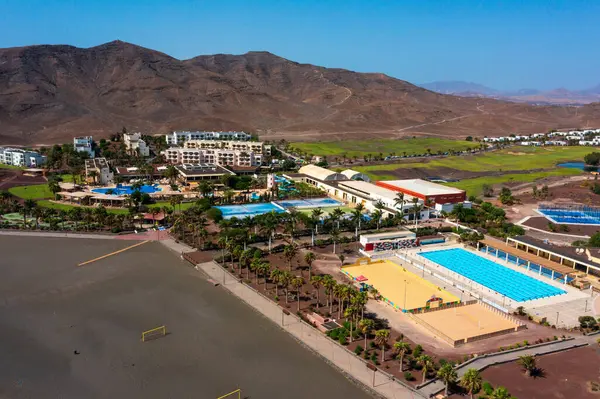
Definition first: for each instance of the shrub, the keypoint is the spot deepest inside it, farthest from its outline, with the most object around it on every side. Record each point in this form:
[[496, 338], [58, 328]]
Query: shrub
[[372, 344], [359, 349], [526, 343], [555, 338], [342, 340], [408, 376], [374, 358], [417, 351], [487, 388]]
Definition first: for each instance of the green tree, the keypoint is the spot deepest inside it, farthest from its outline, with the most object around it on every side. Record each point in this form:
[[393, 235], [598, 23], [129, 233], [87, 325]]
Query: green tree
[[592, 159], [447, 374], [427, 365], [171, 173], [289, 252], [381, 339], [366, 326], [594, 240], [528, 364], [471, 381], [401, 348], [28, 206], [309, 258], [316, 282], [500, 393]]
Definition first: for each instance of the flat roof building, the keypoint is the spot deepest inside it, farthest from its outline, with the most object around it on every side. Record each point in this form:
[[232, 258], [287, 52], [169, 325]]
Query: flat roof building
[[425, 190], [84, 144], [204, 171], [177, 138], [19, 157], [98, 171], [135, 144]]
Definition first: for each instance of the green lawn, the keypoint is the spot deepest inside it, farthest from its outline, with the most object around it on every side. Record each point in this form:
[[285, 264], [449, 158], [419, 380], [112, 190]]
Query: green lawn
[[474, 186], [359, 148], [4, 166], [515, 158], [326, 211], [36, 191], [67, 207], [184, 205]]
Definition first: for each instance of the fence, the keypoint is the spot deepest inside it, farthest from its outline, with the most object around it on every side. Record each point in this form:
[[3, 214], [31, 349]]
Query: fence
[[436, 332]]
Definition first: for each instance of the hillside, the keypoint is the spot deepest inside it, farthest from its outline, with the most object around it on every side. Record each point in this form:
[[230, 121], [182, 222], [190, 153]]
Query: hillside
[[51, 93]]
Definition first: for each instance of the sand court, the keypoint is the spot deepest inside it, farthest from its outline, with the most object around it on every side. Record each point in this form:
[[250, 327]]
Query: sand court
[[391, 280], [468, 323]]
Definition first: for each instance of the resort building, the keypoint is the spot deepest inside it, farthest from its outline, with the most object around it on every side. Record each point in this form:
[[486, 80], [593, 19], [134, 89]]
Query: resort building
[[18, 157], [199, 172], [427, 191], [226, 153], [178, 138], [98, 171], [135, 144], [388, 241], [134, 173], [84, 144]]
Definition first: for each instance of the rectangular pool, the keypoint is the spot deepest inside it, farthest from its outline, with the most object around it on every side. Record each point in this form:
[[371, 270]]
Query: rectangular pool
[[571, 216], [241, 211], [517, 286], [310, 203]]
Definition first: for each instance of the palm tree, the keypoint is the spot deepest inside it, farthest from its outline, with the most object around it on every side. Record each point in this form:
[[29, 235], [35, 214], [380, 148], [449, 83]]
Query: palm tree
[[350, 314], [297, 282], [447, 374], [416, 209], [315, 218], [265, 270], [286, 280], [377, 215], [28, 206], [54, 187], [401, 348], [316, 282], [255, 266], [427, 364], [309, 258], [381, 339], [471, 381], [290, 223], [269, 223], [399, 201], [276, 278], [289, 252], [335, 236], [336, 215], [171, 173], [527, 362], [366, 326], [329, 284], [500, 393], [94, 175]]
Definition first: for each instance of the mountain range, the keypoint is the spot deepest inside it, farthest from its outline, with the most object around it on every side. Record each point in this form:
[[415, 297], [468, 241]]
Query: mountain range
[[532, 96], [50, 93]]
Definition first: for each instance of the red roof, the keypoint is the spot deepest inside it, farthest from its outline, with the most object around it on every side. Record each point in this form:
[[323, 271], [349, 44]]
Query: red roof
[[159, 216]]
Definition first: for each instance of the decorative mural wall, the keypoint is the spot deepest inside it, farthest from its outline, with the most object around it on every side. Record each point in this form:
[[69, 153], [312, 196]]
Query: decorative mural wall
[[395, 245]]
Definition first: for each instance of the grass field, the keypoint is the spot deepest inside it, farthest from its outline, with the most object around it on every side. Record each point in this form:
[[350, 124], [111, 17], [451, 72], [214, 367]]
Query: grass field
[[475, 186], [66, 207], [359, 148], [4, 166], [36, 191]]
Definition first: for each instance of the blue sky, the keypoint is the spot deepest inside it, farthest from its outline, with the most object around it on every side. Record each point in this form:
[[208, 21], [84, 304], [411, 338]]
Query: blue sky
[[503, 44]]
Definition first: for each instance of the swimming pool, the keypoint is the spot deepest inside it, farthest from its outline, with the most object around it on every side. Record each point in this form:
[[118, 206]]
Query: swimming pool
[[492, 275], [572, 216], [241, 211], [126, 190], [310, 203]]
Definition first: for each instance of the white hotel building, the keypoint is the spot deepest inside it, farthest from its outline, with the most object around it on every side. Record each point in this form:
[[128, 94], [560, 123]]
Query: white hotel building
[[224, 153], [178, 138], [18, 157]]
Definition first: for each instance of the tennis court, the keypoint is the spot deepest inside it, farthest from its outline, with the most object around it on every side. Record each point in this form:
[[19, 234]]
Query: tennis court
[[400, 288], [467, 323]]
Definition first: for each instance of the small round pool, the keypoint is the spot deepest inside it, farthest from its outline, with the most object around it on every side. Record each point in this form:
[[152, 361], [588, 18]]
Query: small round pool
[[126, 190]]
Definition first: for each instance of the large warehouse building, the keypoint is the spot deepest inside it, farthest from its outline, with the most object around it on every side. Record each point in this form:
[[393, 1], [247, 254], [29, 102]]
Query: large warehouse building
[[426, 191]]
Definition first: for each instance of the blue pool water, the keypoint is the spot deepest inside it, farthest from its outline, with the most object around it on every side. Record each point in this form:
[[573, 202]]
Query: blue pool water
[[241, 211], [582, 216], [126, 190], [492, 275], [310, 203], [578, 165]]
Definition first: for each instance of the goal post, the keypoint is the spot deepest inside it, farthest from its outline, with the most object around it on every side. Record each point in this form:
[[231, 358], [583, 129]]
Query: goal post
[[154, 333], [233, 394]]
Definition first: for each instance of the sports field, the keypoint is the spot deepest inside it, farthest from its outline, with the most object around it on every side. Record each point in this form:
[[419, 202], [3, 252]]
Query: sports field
[[386, 147], [391, 280], [467, 322], [75, 332]]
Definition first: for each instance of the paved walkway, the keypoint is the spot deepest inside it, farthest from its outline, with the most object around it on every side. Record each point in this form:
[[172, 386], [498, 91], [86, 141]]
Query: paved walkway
[[505, 357], [142, 236]]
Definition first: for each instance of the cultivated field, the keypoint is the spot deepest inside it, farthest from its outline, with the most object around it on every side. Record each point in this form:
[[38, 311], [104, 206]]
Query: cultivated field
[[74, 332], [360, 148]]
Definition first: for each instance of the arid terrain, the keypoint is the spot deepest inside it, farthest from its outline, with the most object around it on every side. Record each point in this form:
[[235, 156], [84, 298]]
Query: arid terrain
[[50, 93]]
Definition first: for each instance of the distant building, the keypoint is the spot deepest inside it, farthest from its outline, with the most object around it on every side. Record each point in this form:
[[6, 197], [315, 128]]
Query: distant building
[[98, 170], [134, 143], [425, 190], [84, 144], [18, 157], [178, 138]]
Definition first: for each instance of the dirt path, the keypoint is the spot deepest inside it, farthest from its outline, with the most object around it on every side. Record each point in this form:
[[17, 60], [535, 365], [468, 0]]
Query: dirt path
[[562, 181]]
